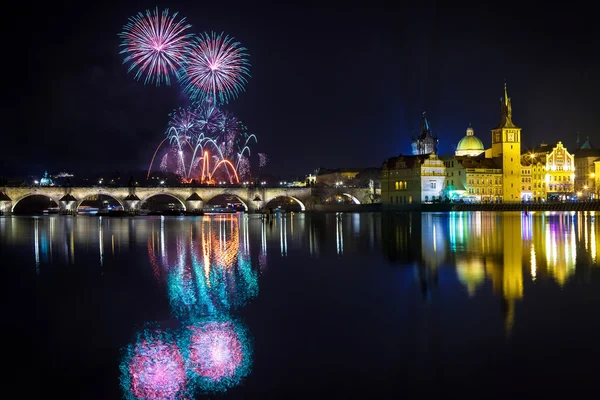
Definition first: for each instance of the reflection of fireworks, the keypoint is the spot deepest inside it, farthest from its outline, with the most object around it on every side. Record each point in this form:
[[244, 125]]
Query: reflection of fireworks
[[153, 368], [155, 45], [218, 354], [216, 276]]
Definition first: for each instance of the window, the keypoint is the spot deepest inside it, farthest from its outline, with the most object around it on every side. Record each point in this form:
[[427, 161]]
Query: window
[[432, 184]]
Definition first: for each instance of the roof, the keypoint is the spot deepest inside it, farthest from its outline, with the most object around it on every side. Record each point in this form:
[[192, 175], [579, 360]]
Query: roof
[[478, 162], [410, 161], [470, 142], [585, 153], [587, 145]]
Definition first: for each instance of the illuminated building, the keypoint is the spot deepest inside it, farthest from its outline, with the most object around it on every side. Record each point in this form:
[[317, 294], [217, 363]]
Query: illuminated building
[[470, 145], [526, 182], [506, 151], [411, 180], [560, 173], [345, 176], [425, 143], [473, 178], [552, 171], [585, 170], [475, 174]]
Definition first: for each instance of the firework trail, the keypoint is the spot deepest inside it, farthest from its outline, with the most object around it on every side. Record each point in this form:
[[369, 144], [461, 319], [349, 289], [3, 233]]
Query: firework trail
[[155, 45], [216, 68]]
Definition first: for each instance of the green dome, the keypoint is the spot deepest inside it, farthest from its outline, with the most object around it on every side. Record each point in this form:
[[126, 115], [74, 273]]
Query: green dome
[[470, 143]]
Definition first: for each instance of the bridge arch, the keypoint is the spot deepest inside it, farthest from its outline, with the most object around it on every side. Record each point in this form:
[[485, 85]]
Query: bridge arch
[[285, 196], [55, 199], [182, 202], [86, 197], [354, 198], [211, 200], [348, 196]]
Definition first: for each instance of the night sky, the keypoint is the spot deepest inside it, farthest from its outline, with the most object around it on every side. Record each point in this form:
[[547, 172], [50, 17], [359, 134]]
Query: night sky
[[331, 86]]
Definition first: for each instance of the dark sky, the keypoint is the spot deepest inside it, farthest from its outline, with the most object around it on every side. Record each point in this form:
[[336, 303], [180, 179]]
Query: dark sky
[[331, 86]]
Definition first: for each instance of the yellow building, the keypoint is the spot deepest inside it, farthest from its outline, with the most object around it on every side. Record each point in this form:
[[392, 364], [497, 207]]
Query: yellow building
[[527, 191], [506, 148], [473, 179], [560, 173]]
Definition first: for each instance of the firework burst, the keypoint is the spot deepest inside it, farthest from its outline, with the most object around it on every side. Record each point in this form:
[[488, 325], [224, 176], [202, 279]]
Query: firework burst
[[216, 67], [155, 45]]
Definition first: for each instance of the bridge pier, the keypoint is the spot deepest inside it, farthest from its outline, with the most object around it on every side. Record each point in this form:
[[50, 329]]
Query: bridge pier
[[131, 203]]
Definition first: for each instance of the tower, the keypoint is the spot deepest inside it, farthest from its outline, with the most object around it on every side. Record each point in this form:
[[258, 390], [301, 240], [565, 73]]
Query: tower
[[425, 143], [506, 149]]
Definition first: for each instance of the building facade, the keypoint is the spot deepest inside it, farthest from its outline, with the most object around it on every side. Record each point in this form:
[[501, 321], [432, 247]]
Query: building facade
[[409, 181], [425, 143], [506, 150], [560, 173], [585, 171]]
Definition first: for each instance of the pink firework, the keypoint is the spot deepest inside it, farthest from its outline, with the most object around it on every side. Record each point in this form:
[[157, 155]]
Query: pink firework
[[156, 370], [155, 45], [216, 351], [216, 68]]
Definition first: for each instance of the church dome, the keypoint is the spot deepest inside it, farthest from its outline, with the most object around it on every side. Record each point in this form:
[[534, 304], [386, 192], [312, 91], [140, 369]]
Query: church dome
[[470, 145]]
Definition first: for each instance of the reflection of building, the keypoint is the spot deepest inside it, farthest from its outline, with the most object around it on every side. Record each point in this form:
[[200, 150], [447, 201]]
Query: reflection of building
[[425, 143], [401, 237], [411, 180]]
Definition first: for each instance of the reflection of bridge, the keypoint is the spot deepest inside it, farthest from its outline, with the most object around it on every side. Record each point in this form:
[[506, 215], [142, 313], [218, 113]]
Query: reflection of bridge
[[131, 198]]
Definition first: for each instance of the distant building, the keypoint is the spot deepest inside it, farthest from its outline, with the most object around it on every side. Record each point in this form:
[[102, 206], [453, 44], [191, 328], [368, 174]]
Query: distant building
[[585, 171], [473, 179], [412, 180], [470, 145], [425, 143], [347, 176], [552, 172], [506, 151]]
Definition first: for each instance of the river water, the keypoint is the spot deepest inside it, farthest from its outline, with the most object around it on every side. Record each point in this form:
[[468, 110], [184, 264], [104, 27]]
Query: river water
[[319, 305]]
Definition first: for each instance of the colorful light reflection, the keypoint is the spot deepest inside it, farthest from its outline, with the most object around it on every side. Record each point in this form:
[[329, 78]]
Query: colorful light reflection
[[154, 368], [218, 354]]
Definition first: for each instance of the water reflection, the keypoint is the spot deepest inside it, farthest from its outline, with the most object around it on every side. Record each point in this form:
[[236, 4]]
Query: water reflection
[[207, 270], [499, 247]]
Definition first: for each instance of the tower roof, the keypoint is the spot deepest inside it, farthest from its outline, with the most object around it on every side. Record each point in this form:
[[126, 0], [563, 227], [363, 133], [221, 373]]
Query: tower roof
[[425, 128], [587, 145], [506, 111]]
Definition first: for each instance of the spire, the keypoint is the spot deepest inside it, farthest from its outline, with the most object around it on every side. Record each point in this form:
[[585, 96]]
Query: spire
[[505, 111], [425, 129], [577, 141]]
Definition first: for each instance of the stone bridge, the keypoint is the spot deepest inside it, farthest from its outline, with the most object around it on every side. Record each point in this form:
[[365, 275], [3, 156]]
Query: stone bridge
[[191, 198]]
